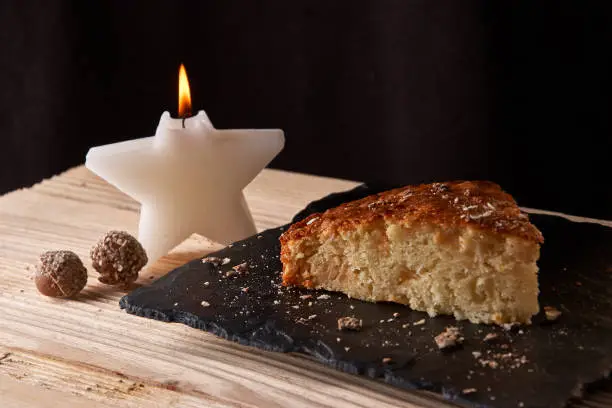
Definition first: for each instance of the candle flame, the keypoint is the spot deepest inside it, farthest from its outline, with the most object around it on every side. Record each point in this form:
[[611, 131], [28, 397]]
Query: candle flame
[[184, 108]]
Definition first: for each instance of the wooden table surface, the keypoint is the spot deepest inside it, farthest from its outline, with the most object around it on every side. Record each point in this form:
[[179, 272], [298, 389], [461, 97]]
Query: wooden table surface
[[86, 352]]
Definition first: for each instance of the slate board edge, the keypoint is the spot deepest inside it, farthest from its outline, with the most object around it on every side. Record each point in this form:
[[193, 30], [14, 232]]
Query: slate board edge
[[451, 396]]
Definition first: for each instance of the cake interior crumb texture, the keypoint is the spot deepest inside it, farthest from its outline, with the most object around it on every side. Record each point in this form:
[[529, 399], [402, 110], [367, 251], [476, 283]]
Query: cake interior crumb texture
[[461, 266]]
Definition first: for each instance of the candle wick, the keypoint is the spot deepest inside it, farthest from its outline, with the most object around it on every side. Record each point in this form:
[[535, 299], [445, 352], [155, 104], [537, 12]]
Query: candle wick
[[184, 117]]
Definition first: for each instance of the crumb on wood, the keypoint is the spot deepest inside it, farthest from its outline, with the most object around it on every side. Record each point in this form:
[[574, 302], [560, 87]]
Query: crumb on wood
[[171, 385]]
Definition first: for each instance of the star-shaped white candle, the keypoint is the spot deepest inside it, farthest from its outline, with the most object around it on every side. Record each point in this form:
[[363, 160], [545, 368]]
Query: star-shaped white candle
[[188, 178]]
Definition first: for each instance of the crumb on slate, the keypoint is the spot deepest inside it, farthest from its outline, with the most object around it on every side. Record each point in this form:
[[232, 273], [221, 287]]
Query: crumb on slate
[[241, 268], [490, 363], [212, 260], [509, 326], [349, 323], [469, 391], [225, 261], [476, 354], [552, 313], [490, 337], [205, 303], [418, 323], [450, 337], [323, 297]]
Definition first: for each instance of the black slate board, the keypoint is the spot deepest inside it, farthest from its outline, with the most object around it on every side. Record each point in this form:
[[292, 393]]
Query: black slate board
[[563, 356]]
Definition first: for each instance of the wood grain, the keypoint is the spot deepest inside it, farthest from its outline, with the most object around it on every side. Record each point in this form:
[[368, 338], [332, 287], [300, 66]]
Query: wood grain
[[87, 352]]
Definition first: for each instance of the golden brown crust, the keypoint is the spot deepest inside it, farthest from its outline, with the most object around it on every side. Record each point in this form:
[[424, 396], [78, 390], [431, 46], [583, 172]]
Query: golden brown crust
[[479, 204]]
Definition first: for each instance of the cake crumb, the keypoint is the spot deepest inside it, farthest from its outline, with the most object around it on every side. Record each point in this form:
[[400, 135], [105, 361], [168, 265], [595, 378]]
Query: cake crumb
[[304, 297], [476, 354], [552, 313], [245, 290], [241, 268], [509, 326], [418, 323], [405, 325], [395, 314], [450, 337], [338, 339], [205, 303], [490, 363], [387, 360], [347, 348], [349, 323], [468, 391], [314, 316], [490, 337], [323, 297], [212, 260], [206, 283], [225, 261]]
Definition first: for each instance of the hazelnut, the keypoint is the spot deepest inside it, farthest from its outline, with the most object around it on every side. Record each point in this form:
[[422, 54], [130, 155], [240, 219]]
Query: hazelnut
[[118, 257], [60, 274]]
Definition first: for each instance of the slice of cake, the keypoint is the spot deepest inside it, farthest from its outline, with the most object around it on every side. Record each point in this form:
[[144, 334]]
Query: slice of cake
[[461, 248]]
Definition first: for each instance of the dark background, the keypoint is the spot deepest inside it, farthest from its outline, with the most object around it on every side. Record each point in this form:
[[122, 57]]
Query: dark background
[[399, 91]]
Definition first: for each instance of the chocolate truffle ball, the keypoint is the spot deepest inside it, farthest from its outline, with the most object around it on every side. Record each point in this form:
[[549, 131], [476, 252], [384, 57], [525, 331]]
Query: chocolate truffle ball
[[60, 274], [118, 257]]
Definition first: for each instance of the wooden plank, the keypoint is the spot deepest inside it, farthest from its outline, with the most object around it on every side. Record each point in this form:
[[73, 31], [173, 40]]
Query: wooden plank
[[87, 352], [83, 347]]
